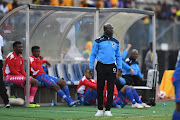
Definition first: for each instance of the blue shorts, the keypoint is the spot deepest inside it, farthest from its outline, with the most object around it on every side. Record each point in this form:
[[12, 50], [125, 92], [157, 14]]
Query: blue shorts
[[89, 97], [119, 100], [176, 83], [48, 80]]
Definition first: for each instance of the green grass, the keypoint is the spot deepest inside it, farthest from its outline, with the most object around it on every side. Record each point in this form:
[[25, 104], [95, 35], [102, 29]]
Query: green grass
[[87, 112]]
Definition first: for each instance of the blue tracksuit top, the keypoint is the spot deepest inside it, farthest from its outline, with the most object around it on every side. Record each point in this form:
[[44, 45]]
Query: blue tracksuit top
[[134, 65], [176, 73], [106, 50]]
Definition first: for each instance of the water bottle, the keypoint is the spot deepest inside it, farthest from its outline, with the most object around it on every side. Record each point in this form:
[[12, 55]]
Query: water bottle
[[52, 102], [164, 104], [82, 101]]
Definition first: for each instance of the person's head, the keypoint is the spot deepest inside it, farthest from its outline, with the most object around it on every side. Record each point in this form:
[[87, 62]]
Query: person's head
[[88, 73], [150, 45], [17, 47], [35, 51], [108, 29], [134, 54]]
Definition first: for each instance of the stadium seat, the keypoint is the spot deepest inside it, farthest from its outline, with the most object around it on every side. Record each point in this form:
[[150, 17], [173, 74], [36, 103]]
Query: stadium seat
[[84, 66], [78, 71], [61, 73], [70, 73], [8, 83], [51, 71]]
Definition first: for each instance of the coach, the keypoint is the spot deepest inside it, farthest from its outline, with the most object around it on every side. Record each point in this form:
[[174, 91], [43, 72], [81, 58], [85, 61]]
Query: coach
[[106, 50]]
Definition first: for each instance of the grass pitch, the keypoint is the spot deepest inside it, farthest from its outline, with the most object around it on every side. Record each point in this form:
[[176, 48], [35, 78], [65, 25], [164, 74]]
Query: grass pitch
[[157, 112]]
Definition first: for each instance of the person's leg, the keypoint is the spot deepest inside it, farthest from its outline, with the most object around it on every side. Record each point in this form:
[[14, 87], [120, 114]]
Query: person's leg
[[3, 90], [100, 87], [100, 84], [90, 97], [176, 114], [33, 89], [64, 85], [51, 83], [135, 94], [111, 77]]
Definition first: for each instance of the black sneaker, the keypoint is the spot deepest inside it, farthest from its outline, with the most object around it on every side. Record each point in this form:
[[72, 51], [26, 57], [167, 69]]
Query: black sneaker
[[7, 105]]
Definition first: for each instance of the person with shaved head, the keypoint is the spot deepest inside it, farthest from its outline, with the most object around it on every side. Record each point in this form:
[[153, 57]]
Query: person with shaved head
[[132, 62], [106, 49]]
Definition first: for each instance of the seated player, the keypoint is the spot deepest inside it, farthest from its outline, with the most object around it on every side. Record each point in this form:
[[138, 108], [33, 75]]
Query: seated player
[[127, 92], [53, 82], [176, 83], [132, 62], [87, 88], [14, 72]]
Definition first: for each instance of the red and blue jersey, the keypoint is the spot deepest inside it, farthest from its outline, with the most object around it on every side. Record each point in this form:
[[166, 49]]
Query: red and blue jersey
[[36, 66], [85, 84], [176, 73]]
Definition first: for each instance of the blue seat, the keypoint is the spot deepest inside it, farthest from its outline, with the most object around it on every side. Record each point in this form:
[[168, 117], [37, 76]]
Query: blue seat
[[71, 74], [51, 71], [61, 73], [8, 83], [84, 66], [78, 71]]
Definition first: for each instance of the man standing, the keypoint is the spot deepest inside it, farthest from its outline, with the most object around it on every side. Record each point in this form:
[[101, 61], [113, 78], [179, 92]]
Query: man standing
[[149, 59], [2, 85], [132, 62], [106, 50]]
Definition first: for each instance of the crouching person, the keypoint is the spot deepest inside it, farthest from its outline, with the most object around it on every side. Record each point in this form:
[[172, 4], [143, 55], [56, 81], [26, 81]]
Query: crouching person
[[87, 89]]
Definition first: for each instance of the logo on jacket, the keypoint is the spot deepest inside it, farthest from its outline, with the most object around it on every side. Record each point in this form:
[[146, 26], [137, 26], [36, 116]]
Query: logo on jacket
[[113, 44], [114, 70]]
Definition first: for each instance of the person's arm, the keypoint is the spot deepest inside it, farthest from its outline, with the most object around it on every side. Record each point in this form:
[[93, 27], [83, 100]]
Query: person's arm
[[118, 57], [124, 54], [90, 84], [2, 50], [127, 67], [22, 69], [94, 52], [2, 44], [139, 74]]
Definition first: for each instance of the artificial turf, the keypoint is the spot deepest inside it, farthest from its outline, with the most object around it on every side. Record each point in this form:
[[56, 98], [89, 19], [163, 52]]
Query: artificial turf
[[157, 112]]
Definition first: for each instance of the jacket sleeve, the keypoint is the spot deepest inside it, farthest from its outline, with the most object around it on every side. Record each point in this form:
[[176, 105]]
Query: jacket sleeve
[[94, 52], [90, 84], [139, 74], [125, 66], [124, 54], [22, 69], [43, 61], [118, 57]]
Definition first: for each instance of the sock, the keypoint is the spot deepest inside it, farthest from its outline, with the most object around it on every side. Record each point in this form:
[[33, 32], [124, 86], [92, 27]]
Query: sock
[[66, 91], [136, 96], [25, 91], [176, 115], [61, 94], [130, 96], [32, 94]]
